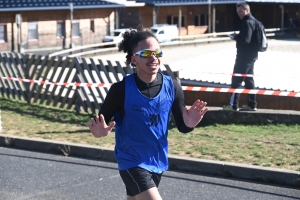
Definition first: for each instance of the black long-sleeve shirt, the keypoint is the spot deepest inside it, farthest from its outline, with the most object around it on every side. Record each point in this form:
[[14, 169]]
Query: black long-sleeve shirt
[[114, 101]]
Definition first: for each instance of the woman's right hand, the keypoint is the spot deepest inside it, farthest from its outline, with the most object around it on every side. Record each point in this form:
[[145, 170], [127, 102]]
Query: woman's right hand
[[99, 127]]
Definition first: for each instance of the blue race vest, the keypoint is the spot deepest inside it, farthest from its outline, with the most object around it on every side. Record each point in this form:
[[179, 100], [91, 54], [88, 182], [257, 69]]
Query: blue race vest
[[141, 137]]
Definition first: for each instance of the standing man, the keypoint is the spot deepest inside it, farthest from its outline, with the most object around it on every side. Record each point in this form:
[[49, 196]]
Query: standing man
[[245, 57], [141, 105]]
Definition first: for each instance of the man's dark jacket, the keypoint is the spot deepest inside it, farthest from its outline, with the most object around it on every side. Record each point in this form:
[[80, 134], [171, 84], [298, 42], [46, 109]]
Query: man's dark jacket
[[246, 39]]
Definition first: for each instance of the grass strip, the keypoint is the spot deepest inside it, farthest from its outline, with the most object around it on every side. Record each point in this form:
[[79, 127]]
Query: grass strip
[[272, 145]]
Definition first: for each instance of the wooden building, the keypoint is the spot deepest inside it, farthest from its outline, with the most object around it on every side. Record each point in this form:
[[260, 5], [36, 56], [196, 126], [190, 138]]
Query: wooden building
[[218, 15], [55, 24]]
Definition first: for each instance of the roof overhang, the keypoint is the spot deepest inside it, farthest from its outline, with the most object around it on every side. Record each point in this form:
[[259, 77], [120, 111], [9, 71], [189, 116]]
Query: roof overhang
[[50, 6], [274, 1], [128, 3], [161, 3]]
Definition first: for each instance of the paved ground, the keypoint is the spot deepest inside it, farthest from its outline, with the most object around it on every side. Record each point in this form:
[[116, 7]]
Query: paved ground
[[177, 53], [26, 175], [275, 64], [214, 62]]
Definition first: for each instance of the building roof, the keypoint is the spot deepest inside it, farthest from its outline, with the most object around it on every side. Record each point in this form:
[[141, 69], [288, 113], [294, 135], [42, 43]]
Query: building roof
[[206, 2], [128, 3], [273, 1], [38, 5], [184, 2]]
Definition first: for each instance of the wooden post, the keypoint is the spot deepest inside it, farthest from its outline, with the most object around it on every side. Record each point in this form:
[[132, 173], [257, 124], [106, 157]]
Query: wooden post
[[71, 23]]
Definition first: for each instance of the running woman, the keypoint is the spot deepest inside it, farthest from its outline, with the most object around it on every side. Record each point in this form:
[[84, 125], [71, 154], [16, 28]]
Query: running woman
[[141, 105]]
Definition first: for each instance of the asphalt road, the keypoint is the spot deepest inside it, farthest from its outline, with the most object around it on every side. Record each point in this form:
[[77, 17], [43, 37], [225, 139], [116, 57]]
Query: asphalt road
[[26, 175]]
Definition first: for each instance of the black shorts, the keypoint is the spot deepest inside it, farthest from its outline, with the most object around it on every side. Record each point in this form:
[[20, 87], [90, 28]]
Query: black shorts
[[138, 180]]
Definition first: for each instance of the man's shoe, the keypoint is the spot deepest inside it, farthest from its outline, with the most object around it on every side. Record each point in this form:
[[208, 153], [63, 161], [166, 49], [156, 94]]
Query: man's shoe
[[248, 108], [230, 108]]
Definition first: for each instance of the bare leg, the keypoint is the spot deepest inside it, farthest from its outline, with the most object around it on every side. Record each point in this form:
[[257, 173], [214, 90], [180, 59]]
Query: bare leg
[[150, 194], [130, 198]]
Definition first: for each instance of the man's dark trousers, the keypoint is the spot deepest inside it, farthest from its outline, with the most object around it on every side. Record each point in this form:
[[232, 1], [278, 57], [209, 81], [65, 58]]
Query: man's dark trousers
[[243, 66]]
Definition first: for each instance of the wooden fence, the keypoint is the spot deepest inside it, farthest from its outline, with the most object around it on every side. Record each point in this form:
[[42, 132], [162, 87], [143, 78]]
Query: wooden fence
[[43, 80], [52, 75]]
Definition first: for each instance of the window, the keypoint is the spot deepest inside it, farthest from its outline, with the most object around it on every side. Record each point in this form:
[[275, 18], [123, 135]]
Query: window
[[92, 26], [196, 20], [3, 33], [203, 20], [182, 21], [174, 20], [60, 30], [32, 31], [75, 29], [169, 19]]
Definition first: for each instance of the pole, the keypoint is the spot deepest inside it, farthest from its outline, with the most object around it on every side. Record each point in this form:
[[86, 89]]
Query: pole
[[180, 18], [117, 14], [18, 22], [71, 22], [209, 16], [214, 19], [154, 15], [282, 17]]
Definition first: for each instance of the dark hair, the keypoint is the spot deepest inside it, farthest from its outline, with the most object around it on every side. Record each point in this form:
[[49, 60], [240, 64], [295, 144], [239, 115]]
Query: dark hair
[[244, 5], [131, 38]]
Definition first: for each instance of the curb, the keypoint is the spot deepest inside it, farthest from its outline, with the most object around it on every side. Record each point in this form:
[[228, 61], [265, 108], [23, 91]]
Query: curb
[[219, 168]]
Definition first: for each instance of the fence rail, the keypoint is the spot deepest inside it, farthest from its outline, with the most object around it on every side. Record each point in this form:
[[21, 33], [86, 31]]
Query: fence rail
[[93, 49]]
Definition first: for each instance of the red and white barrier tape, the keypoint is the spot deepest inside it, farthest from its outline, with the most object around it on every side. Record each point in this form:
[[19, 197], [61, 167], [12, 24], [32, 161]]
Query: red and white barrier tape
[[242, 91], [251, 75], [187, 88], [237, 74], [42, 82]]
